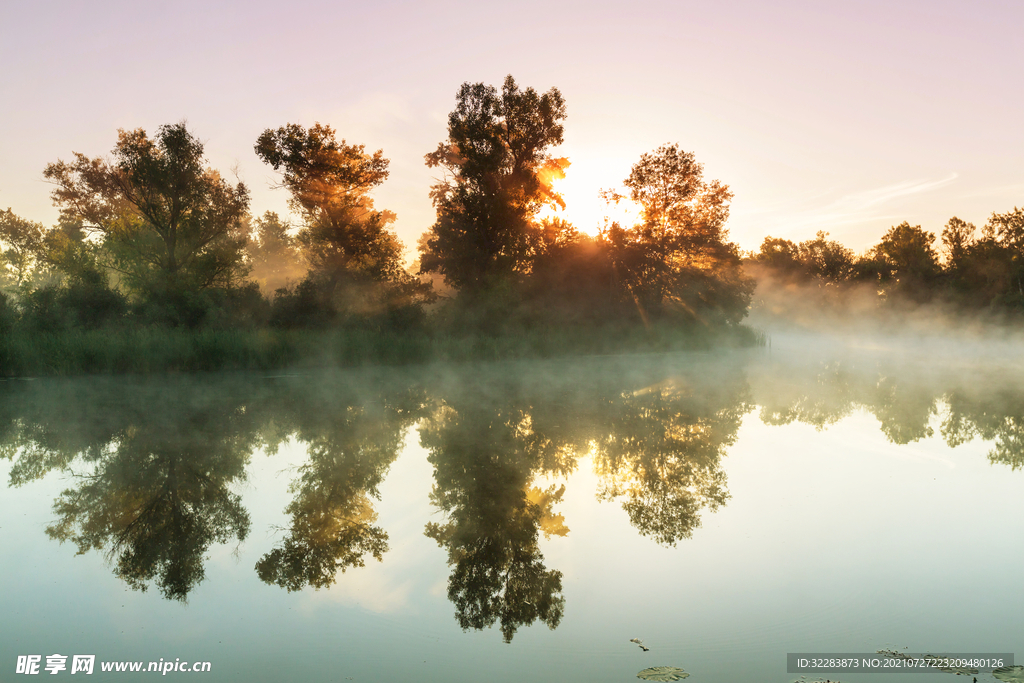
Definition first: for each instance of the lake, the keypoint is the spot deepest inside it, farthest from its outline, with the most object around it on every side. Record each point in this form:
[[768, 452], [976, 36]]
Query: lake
[[520, 521]]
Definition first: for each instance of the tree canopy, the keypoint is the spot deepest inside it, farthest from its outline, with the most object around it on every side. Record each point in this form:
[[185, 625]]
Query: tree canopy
[[169, 224], [354, 256], [151, 234], [497, 174], [677, 257], [907, 253], [342, 234], [273, 254], [23, 239]]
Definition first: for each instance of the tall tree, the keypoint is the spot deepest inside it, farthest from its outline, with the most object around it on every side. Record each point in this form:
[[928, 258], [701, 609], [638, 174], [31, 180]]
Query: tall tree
[[330, 183], [779, 254], [1008, 229], [957, 239], [907, 255], [827, 260], [23, 240], [497, 176], [273, 254], [170, 224], [349, 245], [677, 257]]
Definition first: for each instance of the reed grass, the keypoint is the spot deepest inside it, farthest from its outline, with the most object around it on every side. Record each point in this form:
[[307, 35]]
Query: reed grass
[[140, 350]]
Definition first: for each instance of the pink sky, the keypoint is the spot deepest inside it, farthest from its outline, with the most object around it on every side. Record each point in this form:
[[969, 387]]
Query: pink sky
[[845, 117]]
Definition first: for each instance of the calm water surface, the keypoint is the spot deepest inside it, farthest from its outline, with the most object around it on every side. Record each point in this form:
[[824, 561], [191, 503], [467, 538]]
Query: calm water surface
[[520, 521]]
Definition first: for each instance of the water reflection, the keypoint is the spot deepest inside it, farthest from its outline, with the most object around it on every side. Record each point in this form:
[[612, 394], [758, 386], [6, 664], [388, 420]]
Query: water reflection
[[486, 455], [152, 470], [495, 437], [996, 415], [155, 466], [351, 439], [662, 447], [906, 394]]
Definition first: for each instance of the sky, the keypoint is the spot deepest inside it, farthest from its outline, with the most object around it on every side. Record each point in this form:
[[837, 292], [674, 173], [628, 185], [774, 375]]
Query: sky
[[844, 117]]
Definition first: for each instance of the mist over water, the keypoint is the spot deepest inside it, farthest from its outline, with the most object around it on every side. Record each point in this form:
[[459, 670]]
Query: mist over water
[[724, 507], [813, 321]]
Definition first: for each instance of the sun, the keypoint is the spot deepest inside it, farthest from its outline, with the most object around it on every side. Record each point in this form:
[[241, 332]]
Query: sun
[[580, 188]]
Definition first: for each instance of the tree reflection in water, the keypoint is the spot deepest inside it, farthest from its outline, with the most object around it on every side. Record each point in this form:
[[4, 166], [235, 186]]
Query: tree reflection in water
[[995, 415], [351, 441], [904, 393], [494, 438], [663, 450], [485, 458], [156, 463]]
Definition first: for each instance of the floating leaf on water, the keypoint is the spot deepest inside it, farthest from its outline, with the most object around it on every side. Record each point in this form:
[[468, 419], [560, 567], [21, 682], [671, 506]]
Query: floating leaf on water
[[1010, 674], [663, 673]]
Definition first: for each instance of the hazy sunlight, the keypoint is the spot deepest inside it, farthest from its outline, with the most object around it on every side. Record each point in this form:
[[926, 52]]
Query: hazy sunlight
[[584, 207]]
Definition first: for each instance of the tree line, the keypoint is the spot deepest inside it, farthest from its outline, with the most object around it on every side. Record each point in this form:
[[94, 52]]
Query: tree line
[[151, 235], [971, 268]]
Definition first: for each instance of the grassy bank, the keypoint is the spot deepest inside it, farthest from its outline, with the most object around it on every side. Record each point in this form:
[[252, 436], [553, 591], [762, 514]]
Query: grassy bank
[[142, 350]]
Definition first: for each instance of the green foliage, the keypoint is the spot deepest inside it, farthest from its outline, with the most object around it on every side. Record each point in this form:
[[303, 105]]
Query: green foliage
[[1008, 228], [821, 394], [957, 239], [496, 434], [827, 260], [67, 255], [168, 225], [996, 417], [987, 271], [83, 303], [274, 254], [146, 349], [59, 283], [354, 256], [306, 305], [677, 261], [20, 244], [342, 235], [157, 496], [781, 255], [663, 452], [980, 273], [483, 460], [143, 349], [822, 261], [497, 176], [151, 239], [573, 286], [907, 256], [351, 449], [8, 314], [210, 308]]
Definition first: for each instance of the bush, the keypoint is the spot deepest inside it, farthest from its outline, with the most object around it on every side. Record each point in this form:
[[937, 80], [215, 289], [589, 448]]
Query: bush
[[8, 315]]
